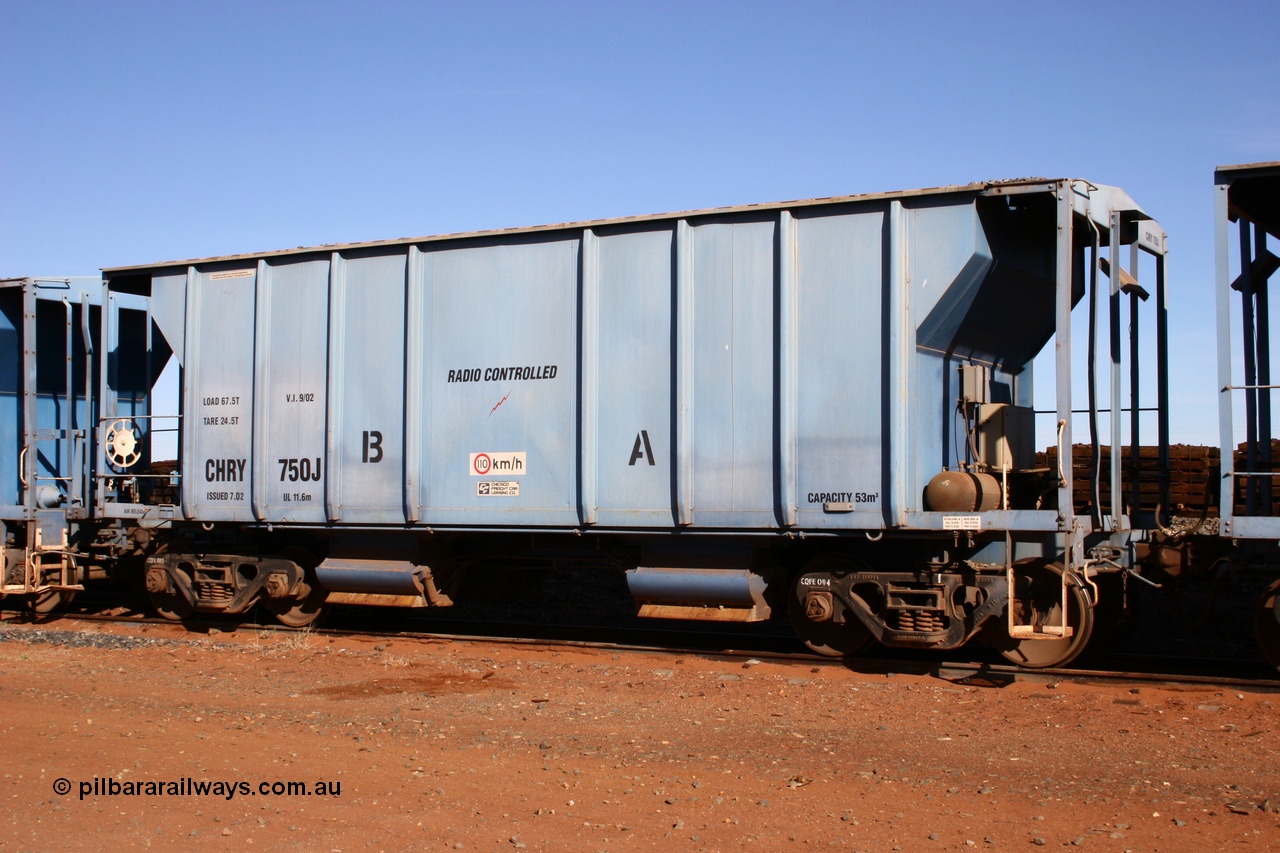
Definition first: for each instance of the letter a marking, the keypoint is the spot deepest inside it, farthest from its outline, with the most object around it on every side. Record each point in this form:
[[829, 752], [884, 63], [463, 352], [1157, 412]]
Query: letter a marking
[[642, 448]]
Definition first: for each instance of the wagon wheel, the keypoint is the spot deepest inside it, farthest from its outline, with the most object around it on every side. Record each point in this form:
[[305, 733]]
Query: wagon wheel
[[298, 613], [1038, 600], [166, 599], [1266, 623], [833, 639], [171, 605], [43, 603], [306, 609], [46, 601]]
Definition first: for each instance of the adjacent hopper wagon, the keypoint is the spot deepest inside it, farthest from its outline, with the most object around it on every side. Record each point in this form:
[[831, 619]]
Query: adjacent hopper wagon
[[50, 366], [1247, 208]]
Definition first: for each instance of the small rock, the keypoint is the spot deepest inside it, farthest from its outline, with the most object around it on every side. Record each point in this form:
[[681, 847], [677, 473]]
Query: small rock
[[751, 663], [1213, 709], [1079, 842], [984, 790], [933, 836], [1179, 822], [1038, 840]]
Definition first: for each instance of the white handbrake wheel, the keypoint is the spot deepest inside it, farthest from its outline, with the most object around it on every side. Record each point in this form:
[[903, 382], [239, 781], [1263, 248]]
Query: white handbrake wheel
[[122, 444]]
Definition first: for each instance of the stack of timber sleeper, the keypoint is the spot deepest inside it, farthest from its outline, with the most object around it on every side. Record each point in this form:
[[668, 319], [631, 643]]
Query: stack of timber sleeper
[[1194, 474]]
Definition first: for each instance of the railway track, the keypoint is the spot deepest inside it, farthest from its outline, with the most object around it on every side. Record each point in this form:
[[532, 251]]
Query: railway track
[[973, 669]]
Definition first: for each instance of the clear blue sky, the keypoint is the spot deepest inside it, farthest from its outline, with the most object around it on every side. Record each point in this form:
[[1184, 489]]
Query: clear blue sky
[[133, 132]]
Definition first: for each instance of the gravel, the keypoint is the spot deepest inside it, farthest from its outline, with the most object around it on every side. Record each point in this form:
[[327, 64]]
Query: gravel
[[95, 640], [86, 640]]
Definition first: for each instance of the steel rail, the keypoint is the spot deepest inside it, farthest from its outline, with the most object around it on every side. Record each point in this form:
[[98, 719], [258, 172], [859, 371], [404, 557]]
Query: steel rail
[[970, 672]]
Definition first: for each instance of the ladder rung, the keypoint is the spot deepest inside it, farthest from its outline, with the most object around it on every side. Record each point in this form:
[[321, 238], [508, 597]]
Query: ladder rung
[[1040, 632]]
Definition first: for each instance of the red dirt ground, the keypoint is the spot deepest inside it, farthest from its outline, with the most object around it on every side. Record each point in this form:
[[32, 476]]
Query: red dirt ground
[[479, 746]]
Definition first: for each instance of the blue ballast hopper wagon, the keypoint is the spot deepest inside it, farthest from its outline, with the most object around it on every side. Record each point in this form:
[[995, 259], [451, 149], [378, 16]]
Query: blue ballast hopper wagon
[[820, 408]]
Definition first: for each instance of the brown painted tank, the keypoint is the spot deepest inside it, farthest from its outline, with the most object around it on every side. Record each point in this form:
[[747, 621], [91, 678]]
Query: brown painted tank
[[962, 491]]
